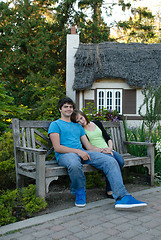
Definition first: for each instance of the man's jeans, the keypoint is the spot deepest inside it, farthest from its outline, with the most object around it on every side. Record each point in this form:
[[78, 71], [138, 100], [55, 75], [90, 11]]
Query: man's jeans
[[120, 161], [106, 163]]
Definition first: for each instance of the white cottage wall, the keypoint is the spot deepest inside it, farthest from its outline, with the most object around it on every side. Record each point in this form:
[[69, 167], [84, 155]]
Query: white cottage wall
[[111, 83], [139, 101]]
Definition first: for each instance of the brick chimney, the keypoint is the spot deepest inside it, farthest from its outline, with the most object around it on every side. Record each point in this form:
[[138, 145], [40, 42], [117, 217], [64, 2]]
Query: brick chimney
[[73, 30]]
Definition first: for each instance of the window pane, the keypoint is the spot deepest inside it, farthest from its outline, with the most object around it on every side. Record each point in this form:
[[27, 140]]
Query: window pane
[[101, 100], [118, 101], [109, 100]]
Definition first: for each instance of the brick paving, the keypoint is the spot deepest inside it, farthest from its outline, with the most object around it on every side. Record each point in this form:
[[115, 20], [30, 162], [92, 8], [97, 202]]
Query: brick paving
[[97, 221]]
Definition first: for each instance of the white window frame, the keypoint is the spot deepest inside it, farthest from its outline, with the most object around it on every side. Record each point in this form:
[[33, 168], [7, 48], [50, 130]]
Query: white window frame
[[102, 102]]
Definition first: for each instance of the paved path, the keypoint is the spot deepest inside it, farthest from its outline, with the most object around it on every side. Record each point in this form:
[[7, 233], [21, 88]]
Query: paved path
[[98, 220]]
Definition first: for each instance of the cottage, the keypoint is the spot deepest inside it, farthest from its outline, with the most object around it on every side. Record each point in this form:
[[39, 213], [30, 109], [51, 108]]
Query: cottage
[[111, 74]]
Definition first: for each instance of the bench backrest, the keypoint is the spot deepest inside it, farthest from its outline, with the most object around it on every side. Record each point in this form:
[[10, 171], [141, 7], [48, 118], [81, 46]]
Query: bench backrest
[[117, 134], [33, 134]]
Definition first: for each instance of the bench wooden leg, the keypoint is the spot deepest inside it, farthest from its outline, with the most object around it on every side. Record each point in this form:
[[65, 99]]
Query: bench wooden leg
[[19, 181], [48, 181], [40, 176], [151, 154]]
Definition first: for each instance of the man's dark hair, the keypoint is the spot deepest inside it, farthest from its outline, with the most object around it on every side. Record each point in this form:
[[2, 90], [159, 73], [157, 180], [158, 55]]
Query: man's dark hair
[[65, 100]]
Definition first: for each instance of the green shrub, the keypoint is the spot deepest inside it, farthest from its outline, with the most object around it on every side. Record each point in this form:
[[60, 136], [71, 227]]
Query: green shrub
[[141, 135], [138, 135], [7, 174], [158, 156], [95, 179], [6, 146], [19, 204], [7, 163], [152, 103]]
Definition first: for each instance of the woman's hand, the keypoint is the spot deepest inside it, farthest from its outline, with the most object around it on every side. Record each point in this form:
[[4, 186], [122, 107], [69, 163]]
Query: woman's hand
[[107, 150]]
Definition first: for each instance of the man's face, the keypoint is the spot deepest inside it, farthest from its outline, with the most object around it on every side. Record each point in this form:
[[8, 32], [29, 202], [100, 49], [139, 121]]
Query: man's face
[[66, 110]]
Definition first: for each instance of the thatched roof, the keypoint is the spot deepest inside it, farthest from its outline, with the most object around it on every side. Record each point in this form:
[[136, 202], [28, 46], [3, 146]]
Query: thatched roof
[[135, 62]]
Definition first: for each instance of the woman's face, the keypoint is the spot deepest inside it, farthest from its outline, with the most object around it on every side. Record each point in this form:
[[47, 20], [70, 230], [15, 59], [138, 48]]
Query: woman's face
[[81, 120]]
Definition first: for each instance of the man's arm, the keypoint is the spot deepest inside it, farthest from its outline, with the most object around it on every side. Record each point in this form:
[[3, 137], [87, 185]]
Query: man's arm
[[55, 139]]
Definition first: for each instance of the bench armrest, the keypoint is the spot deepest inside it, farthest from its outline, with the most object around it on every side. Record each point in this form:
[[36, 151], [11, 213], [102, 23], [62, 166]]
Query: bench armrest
[[140, 143], [40, 168], [32, 150]]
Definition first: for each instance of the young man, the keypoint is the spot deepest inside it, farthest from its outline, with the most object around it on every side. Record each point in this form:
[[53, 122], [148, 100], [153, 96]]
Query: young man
[[67, 139]]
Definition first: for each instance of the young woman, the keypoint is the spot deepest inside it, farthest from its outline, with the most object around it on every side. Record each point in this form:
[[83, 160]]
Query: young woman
[[98, 137]]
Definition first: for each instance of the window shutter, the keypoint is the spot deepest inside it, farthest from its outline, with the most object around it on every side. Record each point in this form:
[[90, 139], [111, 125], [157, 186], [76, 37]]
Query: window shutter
[[129, 101]]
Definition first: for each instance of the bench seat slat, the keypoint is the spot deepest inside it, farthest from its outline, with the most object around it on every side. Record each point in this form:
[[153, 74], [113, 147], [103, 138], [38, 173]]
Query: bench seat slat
[[53, 165]]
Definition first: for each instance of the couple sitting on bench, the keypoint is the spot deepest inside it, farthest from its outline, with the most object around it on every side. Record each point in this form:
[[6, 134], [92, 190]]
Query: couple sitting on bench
[[68, 137]]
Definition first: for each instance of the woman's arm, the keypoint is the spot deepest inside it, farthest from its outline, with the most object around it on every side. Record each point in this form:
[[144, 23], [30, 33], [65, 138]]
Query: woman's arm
[[110, 148], [88, 146], [106, 137], [110, 144]]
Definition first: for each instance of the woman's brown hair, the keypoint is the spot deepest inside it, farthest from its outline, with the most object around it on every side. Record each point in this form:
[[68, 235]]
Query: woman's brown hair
[[75, 113]]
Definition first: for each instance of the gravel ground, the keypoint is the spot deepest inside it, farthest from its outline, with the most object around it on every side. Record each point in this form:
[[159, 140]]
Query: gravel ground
[[59, 196]]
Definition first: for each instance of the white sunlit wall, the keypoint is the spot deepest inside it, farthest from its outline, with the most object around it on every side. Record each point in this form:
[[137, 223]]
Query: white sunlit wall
[[72, 46]]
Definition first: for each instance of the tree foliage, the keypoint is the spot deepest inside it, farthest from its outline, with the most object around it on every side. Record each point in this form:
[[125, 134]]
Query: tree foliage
[[8, 109], [27, 50], [140, 27], [48, 94], [93, 30]]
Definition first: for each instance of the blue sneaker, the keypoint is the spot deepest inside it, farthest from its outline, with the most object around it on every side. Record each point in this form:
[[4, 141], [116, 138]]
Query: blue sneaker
[[128, 202], [80, 200]]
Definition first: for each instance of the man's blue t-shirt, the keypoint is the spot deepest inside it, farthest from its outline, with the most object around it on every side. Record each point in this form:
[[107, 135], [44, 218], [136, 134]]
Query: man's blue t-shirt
[[70, 134]]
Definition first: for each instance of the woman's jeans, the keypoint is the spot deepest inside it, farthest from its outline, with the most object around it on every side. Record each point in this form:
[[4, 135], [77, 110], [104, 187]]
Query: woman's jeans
[[120, 161], [104, 162]]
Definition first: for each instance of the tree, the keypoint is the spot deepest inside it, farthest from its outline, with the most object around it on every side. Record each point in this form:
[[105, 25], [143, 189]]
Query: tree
[[91, 28], [139, 28], [8, 109], [48, 94], [27, 50], [94, 30]]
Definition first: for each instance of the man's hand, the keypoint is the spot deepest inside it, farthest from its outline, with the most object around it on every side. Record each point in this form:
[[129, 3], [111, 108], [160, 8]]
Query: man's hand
[[84, 155]]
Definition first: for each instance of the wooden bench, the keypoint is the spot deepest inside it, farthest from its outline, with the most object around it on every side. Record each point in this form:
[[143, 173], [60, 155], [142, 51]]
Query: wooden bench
[[34, 157]]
